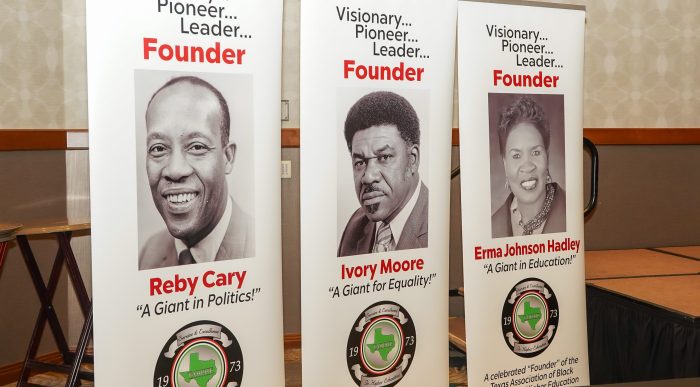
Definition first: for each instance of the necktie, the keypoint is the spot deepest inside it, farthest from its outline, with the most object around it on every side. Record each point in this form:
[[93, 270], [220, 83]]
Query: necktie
[[185, 257], [385, 240]]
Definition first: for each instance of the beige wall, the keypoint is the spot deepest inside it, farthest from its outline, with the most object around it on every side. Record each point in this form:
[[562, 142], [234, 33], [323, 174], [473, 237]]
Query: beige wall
[[642, 63], [42, 64], [74, 64], [42, 85], [640, 71], [641, 67], [31, 64]]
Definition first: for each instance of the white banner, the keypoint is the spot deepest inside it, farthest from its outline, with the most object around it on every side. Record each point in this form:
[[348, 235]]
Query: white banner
[[520, 111], [376, 119], [185, 191]]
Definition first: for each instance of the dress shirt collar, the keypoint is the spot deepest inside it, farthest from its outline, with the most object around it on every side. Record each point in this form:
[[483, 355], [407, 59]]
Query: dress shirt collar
[[206, 249], [397, 224]]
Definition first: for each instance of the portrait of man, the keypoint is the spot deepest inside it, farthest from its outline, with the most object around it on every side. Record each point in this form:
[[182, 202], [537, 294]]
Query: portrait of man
[[382, 133], [188, 157]]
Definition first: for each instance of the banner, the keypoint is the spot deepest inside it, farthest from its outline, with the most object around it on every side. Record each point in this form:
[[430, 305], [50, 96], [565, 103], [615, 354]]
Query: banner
[[520, 112], [376, 118], [185, 192]]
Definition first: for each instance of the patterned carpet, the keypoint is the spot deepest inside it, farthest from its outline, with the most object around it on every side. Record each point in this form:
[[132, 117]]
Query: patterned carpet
[[292, 360]]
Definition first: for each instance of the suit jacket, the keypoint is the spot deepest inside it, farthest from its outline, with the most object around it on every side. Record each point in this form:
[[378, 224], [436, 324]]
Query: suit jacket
[[556, 222], [239, 242], [358, 237]]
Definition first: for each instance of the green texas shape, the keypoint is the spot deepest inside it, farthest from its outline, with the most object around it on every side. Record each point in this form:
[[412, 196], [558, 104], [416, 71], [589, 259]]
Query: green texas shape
[[202, 371], [532, 315], [382, 343]]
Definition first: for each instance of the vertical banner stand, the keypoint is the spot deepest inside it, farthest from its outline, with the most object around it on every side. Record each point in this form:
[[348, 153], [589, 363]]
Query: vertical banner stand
[[520, 112], [185, 192], [376, 119]]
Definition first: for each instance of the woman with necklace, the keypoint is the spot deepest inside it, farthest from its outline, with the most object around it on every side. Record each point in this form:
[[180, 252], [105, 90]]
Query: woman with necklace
[[536, 204]]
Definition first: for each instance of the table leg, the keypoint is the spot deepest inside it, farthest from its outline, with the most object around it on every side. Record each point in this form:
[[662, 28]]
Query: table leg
[[3, 250], [80, 350], [85, 304], [47, 312], [74, 272]]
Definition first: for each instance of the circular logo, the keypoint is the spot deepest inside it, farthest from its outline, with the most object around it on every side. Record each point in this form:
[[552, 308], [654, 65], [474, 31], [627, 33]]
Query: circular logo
[[381, 345], [201, 354], [530, 317]]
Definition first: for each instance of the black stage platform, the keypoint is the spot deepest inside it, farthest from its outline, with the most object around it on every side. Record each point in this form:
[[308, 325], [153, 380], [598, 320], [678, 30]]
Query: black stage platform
[[643, 314]]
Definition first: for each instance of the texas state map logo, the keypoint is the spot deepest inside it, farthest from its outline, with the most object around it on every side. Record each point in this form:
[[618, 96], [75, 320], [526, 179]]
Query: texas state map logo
[[201, 354], [381, 345], [530, 317]]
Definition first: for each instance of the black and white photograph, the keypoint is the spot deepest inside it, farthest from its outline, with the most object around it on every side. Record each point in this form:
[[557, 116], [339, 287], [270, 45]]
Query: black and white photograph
[[383, 195], [195, 169], [528, 182]]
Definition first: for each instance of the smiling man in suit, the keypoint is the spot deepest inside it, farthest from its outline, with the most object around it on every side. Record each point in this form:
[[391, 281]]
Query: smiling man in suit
[[382, 132], [188, 158]]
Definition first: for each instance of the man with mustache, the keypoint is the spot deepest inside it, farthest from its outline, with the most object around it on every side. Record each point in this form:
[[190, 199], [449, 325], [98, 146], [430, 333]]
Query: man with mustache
[[382, 132], [188, 157]]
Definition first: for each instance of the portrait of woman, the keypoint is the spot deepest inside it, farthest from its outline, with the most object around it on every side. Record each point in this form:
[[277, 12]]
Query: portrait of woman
[[535, 202]]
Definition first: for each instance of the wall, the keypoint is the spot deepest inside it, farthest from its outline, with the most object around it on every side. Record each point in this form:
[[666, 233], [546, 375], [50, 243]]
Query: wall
[[640, 67], [641, 63], [641, 71], [648, 198], [291, 262], [26, 197], [43, 86]]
